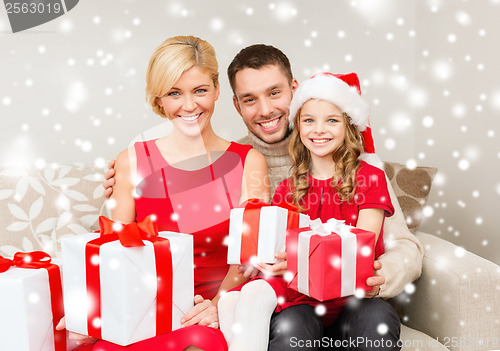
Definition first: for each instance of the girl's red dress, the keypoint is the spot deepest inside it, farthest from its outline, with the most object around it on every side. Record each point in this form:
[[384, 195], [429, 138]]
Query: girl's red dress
[[323, 202]]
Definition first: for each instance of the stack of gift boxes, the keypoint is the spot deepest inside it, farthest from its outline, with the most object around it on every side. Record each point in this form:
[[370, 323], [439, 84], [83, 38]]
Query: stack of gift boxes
[[325, 260], [128, 283], [125, 284]]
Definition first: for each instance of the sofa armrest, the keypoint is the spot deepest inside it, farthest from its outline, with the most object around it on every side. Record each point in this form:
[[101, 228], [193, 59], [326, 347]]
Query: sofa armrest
[[457, 297]]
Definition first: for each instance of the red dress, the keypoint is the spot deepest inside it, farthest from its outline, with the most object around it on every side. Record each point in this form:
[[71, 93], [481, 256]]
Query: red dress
[[196, 202], [193, 202], [322, 201]]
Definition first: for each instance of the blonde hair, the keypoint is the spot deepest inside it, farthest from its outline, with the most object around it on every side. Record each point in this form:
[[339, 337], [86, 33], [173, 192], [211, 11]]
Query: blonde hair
[[171, 59], [345, 158]]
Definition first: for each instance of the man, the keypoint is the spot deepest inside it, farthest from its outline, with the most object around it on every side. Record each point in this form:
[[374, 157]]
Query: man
[[263, 85]]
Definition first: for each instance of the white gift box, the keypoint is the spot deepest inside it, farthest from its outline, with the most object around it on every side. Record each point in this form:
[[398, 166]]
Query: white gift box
[[269, 234], [128, 283], [26, 316]]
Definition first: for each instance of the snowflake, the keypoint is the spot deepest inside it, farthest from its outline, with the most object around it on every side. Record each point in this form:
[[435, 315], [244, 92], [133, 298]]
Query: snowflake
[[66, 25], [390, 144], [283, 12], [459, 252], [463, 164], [217, 24], [76, 96], [7, 100], [442, 69], [382, 329], [114, 264], [411, 164], [463, 18], [320, 310], [34, 298], [428, 121], [401, 122]]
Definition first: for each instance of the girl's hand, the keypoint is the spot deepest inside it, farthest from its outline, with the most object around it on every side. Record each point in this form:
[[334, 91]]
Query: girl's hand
[[375, 281], [248, 271], [79, 339], [203, 313], [275, 269]]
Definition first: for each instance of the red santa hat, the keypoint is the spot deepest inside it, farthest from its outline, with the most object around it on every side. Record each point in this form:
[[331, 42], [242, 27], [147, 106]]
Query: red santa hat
[[344, 91]]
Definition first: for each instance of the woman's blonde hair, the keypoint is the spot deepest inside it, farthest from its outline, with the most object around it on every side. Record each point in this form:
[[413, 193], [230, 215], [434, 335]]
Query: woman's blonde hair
[[171, 59], [345, 158]]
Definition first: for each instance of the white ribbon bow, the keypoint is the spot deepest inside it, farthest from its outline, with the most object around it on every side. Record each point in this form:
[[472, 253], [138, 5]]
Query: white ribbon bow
[[347, 259], [332, 225]]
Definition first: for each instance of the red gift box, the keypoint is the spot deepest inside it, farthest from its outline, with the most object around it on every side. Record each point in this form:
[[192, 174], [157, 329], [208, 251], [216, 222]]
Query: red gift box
[[330, 260]]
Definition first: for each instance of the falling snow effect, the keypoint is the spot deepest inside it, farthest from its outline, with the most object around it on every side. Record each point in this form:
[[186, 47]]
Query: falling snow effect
[[433, 89]]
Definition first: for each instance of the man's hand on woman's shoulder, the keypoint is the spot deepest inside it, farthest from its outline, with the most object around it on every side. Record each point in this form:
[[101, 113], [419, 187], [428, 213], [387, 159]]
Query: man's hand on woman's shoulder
[[109, 180]]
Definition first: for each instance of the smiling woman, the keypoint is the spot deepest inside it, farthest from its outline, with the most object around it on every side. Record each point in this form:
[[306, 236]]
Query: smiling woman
[[190, 103], [189, 179]]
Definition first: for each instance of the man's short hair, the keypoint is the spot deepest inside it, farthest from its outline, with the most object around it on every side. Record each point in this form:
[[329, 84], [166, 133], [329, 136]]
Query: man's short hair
[[257, 56]]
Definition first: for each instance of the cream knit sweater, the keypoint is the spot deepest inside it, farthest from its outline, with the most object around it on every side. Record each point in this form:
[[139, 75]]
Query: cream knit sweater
[[402, 260], [278, 159]]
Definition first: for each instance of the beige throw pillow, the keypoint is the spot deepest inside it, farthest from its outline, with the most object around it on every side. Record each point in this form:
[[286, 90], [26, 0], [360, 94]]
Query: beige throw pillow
[[412, 187], [39, 206]]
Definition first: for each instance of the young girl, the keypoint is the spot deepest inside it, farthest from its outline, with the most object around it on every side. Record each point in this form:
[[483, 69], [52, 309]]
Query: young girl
[[332, 178]]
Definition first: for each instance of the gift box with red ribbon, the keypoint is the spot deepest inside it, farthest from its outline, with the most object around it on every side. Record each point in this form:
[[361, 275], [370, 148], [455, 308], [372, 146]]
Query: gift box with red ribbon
[[127, 283], [258, 230], [31, 303], [330, 260]]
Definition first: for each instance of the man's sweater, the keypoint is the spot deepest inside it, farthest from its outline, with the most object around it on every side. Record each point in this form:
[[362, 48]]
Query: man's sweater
[[278, 159], [402, 260]]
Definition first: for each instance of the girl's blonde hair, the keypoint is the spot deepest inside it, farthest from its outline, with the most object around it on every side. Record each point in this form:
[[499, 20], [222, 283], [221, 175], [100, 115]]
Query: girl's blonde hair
[[345, 158], [171, 59]]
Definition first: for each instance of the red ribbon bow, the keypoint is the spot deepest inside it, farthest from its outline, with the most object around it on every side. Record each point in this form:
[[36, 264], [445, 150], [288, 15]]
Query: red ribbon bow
[[259, 203], [250, 234], [255, 203], [38, 260], [35, 260], [130, 235]]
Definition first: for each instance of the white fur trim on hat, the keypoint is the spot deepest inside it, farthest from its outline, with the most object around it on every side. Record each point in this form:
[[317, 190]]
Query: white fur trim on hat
[[336, 91]]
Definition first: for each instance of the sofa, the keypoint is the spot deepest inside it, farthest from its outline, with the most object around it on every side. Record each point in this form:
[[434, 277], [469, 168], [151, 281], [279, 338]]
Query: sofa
[[454, 305]]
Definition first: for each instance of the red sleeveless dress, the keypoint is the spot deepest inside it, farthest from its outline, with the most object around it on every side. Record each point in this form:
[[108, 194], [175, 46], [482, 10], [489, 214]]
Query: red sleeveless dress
[[194, 202]]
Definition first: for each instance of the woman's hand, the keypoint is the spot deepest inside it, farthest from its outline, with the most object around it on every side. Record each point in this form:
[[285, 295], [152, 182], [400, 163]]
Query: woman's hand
[[375, 281], [79, 339], [275, 269], [204, 312]]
